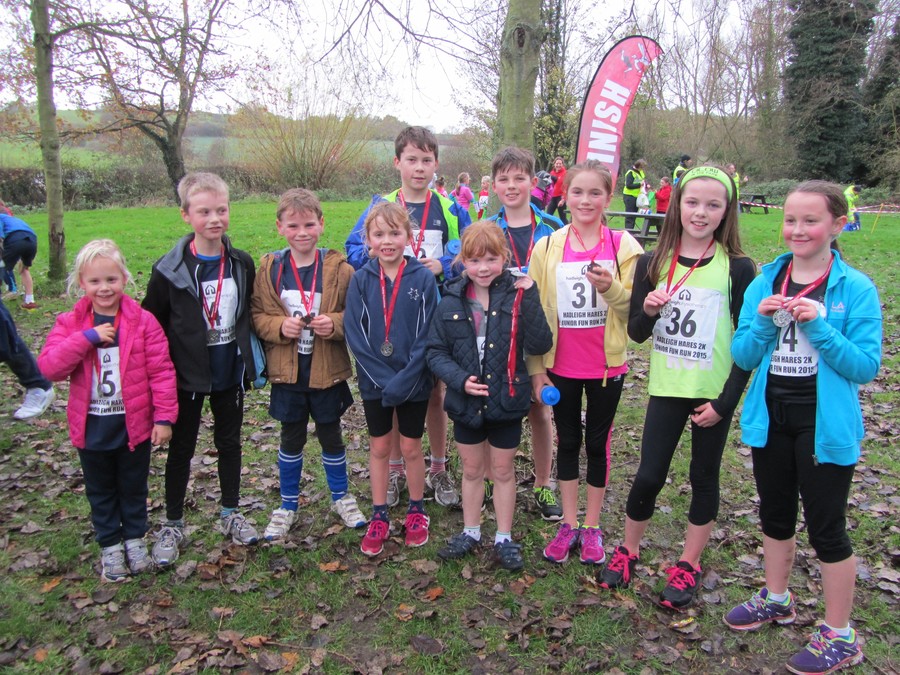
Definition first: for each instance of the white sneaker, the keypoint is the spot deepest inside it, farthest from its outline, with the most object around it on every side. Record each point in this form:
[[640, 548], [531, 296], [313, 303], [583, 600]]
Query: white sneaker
[[137, 556], [36, 402], [396, 484], [349, 512], [281, 522], [170, 541], [239, 529], [445, 492], [112, 559]]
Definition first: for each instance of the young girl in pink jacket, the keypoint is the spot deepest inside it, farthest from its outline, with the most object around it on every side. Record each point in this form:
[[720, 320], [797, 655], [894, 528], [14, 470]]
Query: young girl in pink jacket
[[122, 400]]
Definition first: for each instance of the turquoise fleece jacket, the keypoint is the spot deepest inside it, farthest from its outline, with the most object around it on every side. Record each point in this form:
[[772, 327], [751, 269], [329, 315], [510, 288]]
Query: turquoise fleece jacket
[[848, 340]]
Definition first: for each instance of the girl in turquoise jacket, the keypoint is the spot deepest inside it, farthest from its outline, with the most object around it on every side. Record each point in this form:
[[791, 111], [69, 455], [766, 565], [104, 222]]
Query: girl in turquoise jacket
[[811, 327]]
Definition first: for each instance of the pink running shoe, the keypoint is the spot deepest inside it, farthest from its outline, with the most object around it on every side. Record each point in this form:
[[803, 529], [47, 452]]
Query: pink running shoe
[[566, 539], [590, 541], [416, 529], [377, 533]]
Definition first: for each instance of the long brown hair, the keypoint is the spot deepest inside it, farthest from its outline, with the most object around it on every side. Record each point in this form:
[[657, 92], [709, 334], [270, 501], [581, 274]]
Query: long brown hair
[[727, 233]]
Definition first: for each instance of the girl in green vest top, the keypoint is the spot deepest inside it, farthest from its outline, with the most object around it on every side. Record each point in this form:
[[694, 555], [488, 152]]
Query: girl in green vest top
[[687, 296]]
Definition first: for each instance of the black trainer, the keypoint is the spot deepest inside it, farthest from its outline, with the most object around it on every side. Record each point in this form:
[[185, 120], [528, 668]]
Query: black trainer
[[681, 587]]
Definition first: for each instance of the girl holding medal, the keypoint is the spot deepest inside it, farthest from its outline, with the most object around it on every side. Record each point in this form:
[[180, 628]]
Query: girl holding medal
[[122, 400], [687, 297], [390, 303], [811, 327], [584, 273]]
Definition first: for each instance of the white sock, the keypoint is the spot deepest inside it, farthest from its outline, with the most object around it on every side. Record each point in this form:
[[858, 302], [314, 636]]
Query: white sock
[[29, 298], [501, 537], [778, 598], [842, 632], [474, 532]]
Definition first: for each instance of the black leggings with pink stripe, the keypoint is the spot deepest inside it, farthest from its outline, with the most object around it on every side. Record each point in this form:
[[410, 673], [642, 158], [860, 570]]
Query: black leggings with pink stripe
[[602, 401]]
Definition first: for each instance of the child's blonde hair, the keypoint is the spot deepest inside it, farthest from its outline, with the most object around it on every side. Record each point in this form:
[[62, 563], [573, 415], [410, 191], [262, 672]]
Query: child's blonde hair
[[391, 213], [462, 178], [199, 181], [98, 248], [485, 180], [482, 238]]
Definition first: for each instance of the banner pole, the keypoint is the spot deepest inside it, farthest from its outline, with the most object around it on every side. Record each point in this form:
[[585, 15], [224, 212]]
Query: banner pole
[[880, 209]]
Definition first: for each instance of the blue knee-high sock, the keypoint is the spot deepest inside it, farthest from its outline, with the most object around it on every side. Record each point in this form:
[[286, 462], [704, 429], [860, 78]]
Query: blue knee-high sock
[[336, 473], [290, 467]]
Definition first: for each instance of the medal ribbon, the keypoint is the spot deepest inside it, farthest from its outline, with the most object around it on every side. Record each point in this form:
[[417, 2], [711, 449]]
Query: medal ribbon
[[511, 360], [307, 306], [389, 310], [512, 244], [116, 328], [572, 228], [807, 289], [212, 313], [417, 245], [670, 289]]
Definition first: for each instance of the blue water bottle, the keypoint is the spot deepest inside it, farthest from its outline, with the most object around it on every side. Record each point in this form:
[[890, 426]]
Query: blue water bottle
[[549, 395], [454, 246]]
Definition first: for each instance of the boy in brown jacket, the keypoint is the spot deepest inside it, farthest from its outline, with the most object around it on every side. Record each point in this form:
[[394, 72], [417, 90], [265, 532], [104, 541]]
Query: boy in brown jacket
[[298, 311]]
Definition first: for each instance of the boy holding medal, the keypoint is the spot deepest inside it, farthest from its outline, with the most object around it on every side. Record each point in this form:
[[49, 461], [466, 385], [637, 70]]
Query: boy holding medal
[[200, 294], [298, 310]]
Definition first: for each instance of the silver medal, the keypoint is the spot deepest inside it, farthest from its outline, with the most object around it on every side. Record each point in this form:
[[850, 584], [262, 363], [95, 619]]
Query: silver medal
[[782, 318], [387, 348], [666, 310]]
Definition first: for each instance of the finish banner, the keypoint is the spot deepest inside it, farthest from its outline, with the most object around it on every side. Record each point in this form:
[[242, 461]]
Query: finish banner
[[609, 98]]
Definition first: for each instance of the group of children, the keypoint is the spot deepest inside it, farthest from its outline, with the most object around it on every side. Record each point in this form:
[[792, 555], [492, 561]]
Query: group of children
[[479, 323]]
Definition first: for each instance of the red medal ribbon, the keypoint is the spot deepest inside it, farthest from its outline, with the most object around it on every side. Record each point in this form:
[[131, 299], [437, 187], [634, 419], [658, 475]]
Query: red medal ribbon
[[572, 228], [212, 313], [811, 287], [417, 245], [389, 310], [670, 289], [307, 306], [511, 360], [530, 243]]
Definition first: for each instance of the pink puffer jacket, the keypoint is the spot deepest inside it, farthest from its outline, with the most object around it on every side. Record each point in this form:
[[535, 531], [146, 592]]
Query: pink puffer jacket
[[146, 370]]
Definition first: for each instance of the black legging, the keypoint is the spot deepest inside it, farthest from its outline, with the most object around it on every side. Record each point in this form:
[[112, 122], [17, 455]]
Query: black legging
[[663, 427], [602, 402]]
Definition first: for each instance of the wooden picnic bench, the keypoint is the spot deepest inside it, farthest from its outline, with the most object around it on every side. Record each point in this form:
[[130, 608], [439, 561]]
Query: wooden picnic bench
[[752, 198], [643, 234]]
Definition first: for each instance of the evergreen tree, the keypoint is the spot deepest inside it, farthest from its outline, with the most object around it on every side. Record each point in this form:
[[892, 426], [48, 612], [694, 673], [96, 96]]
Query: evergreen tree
[[822, 85], [881, 97]]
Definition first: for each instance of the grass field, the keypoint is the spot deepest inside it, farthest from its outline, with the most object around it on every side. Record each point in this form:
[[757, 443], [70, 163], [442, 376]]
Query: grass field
[[317, 605]]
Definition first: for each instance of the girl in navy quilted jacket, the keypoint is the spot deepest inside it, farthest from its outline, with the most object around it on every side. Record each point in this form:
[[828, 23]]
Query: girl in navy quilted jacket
[[122, 400], [477, 345]]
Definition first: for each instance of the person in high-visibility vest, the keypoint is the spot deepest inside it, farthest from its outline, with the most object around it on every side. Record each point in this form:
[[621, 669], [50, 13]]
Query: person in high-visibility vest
[[851, 194], [683, 166], [634, 179], [736, 177]]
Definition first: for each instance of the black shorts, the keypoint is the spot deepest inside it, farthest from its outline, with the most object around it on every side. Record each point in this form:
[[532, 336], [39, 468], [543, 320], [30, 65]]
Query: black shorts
[[290, 404], [501, 435], [410, 418], [19, 245]]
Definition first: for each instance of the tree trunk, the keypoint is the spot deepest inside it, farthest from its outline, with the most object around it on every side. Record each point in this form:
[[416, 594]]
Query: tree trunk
[[43, 67], [519, 64]]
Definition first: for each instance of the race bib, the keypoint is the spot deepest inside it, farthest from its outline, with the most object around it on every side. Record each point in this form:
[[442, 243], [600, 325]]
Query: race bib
[[106, 387], [794, 356], [293, 302], [579, 304], [222, 331], [689, 331], [432, 244]]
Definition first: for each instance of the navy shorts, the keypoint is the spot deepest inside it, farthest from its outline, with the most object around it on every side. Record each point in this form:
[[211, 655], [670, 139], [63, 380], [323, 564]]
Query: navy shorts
[[501, 435], [410, 418], [19, 245], [289, 403]]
